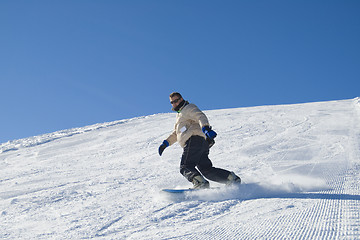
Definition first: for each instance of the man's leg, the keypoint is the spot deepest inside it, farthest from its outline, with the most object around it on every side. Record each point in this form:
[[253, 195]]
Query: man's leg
[[214, 174], [189, 159]]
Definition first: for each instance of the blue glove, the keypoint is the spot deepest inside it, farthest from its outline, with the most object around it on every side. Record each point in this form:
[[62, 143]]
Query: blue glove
[[162, 147], [208, 132]]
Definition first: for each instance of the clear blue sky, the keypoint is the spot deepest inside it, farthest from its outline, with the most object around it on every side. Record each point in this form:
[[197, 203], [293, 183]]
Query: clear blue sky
[[72, 63]]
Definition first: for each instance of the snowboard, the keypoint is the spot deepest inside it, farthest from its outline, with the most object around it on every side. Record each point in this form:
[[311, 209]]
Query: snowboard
[[171, 190], [184, 190]]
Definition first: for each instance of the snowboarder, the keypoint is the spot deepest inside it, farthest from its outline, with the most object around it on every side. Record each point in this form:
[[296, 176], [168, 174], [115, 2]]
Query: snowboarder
[[194, 134]]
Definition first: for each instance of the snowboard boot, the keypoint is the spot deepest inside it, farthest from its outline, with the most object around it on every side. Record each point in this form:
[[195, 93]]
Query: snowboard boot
[[200, 182], [233, 179]]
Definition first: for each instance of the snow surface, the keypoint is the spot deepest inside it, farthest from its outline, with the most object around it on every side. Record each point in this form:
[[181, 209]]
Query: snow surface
[[299, 163]]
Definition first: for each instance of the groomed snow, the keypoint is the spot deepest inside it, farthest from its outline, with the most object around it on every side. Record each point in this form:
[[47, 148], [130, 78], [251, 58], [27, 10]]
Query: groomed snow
[[300, 166]]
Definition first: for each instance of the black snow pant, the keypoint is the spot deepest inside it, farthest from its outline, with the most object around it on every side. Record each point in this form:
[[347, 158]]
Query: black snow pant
[[195, 155]]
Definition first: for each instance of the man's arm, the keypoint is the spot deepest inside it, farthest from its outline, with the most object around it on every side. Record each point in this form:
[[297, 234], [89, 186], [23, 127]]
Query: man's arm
[[172, 138], [199, 116], [168, 142]]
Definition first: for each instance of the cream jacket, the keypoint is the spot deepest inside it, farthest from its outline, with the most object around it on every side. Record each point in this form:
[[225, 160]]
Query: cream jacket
[[189, 122]]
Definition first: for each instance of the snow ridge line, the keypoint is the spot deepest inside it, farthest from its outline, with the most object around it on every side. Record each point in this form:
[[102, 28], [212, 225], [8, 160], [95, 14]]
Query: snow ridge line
[[356, 102], [106, 226], [49, 137], [355, 133]]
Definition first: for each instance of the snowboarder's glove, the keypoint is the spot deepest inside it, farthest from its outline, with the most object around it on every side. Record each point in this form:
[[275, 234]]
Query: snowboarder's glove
[[208, 132], [162, 147]]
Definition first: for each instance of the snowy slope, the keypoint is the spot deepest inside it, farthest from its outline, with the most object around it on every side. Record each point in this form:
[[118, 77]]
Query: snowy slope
[[299, 163]]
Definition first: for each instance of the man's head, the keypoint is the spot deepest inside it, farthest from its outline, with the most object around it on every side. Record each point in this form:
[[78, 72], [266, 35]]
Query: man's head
[[175, 99]]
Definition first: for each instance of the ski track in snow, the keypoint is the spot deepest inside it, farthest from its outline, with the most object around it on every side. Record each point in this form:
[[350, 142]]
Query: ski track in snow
[[300, 166]]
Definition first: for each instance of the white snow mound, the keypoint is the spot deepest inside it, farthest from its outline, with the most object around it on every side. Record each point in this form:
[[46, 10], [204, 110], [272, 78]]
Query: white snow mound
[[299, 165]]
